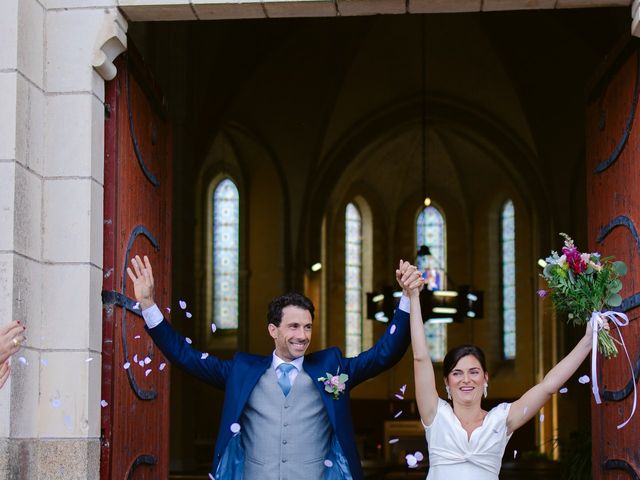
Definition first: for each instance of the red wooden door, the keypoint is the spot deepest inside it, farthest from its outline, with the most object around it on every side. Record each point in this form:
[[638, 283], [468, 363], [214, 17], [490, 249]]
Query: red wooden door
[[137, 221], [613, 200]]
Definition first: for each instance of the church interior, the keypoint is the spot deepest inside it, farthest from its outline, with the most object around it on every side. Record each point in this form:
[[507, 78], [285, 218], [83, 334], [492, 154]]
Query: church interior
[[312, 142]]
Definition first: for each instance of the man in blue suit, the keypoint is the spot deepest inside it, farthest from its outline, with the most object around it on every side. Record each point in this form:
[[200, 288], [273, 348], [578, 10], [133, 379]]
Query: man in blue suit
[[286, 416]]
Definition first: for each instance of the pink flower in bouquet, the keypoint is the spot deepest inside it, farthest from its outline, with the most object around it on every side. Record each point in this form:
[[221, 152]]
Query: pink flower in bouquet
[[574, 259]]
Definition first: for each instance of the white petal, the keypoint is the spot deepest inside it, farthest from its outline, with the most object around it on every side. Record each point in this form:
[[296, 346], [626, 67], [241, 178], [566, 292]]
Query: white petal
[[44, 361], [126, 365], [89, 359], [135, 358], [182, 304], [141, 363], [147, 372], [213, 328], [188, 340], [564, 390], [515, 453], [403, 388], [103, 403], [188, 315], [541, 417], [147, 360], [328, 463], [168, 309], [136, 306], [394, 440], [162, 365], [204, 355], [398, 414], [211, 477], [400, 397], [137, 337], [235, 427], [55, 403], [23, 361], [411, 460], [419, 456], [392, 330], [584, 379]]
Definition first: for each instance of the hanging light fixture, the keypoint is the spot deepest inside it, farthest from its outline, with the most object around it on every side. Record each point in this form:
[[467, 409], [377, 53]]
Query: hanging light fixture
[[423, 85]]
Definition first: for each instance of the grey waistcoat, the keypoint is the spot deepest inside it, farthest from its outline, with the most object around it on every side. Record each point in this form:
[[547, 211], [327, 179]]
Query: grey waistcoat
[[285, 438]]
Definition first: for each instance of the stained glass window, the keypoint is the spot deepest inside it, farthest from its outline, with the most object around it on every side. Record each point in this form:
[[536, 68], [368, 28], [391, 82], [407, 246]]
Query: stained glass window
[[353, 280], [226, 235], [431, 231], [508, 256]]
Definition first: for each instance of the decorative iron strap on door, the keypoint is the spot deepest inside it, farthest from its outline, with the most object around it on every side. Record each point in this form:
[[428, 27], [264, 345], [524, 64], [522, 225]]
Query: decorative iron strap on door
[[613, 201], [137, 210]]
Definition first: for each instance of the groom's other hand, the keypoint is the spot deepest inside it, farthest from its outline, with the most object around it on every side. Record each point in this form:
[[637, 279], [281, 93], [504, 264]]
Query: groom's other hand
[[142, 277]]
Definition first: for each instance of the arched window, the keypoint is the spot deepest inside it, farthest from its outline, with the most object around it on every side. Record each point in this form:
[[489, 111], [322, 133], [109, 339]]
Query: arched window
[[431, 231], [508, 279], [225, 247], [353, 279]]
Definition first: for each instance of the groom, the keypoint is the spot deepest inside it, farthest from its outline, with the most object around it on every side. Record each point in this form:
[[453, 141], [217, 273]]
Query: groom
[[278, 421]]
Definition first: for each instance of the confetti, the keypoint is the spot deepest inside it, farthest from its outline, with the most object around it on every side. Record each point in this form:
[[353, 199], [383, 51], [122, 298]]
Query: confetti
[[89, 359], [137, 337], [188, 315], [412, 461], [398, 414], [68, 421], [103, 403], [23, 361], [183, 304], [541, 417], [136, 306], [168, 309], [394, 440], [515, 453], [204, 355], [400, 397], [147, 360], [235, 427], [211, 477], [135, 358], [564, 390], [44, 361], [188, 340], [141, 363], [392, 330], [403, 388], [584, 379], [147, 372], [419, 456], [126, 365], [328, 463], [55, 403], [162, 365], [213, 328]]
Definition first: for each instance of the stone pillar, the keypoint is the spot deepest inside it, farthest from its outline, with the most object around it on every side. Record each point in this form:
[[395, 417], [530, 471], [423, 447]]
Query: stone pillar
[[51, 214]]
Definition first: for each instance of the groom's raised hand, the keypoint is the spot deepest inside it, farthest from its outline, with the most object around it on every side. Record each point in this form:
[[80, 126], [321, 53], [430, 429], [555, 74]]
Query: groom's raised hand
[[142, 278]]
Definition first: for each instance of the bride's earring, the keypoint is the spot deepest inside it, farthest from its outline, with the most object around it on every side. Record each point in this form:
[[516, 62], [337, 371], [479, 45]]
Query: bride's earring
[[446, 387], [486, 387]]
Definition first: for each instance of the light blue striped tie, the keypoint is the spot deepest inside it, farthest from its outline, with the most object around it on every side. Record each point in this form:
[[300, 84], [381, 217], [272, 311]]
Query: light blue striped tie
[[283, 381]]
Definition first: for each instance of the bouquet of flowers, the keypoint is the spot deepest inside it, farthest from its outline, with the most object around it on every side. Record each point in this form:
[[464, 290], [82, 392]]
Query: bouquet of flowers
[[584, 284]]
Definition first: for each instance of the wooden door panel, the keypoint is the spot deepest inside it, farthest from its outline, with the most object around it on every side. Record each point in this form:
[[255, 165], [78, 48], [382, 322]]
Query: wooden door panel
[[613, 176], [135, 420]]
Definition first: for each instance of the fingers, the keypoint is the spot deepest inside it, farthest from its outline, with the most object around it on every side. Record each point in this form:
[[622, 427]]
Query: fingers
[[11, 328], [130, 273], [137, 263], [148, 270]]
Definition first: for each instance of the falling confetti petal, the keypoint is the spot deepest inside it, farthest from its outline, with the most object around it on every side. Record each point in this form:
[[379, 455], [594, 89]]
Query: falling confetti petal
[[204, 355], [411, 460], [541, 417], [400, 397], [398, 414], [23, 361], [183, 304], [515, 453], [55, 403], [137, 337], [584, 379], [235, 427], [394, 440], [403, 388], [141, 363], [564, 390], [328, 463], [188, 315], [89, 359], [213, 328], [188, 340], [147, 360], [211, 477], [44, 361], [136, 306], [126, 365], [392, 330], [147, 372], [168, 309], [162, 365], [68, 422], [103, 403], [419, 456], [135, 358]]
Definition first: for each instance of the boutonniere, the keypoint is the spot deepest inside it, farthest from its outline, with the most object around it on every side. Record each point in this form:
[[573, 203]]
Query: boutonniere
[[334, 384]]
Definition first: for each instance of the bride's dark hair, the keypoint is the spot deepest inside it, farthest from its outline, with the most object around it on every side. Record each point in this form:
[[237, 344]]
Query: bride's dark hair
[[454, 355]]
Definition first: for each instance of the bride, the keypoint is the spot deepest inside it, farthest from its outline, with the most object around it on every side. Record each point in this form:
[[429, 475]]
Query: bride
[[465, 441]]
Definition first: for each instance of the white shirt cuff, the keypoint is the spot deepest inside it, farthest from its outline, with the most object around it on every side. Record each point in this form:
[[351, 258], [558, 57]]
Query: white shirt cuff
[[405, 304], [152, 316]]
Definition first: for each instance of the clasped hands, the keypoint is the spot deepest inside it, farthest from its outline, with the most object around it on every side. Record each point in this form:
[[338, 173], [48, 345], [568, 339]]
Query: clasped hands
[[409, 278], [11, 339]]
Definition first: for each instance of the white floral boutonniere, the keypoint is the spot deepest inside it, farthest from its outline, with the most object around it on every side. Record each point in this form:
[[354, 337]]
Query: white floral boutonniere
[[334, 384]]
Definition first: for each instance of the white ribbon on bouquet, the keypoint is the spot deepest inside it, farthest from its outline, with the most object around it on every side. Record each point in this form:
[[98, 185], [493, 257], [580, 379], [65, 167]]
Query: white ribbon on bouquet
[[598, 320]]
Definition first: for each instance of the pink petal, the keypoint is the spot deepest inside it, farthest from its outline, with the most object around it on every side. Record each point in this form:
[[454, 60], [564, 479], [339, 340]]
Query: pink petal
[[168, 309]]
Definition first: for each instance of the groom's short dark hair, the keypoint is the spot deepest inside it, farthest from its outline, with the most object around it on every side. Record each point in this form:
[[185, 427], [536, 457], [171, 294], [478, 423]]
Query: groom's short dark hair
[[295, 299]]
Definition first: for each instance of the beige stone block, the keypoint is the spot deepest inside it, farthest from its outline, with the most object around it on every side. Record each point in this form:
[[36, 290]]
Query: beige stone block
[[67, 216], [25, 391], [300, 8], [9, 34], [6, 287], [27, 297], [221, 9], [371, 7], [154, 10], [30, 124], [7, 204], [67, 405], [71, 38], [444, 6], [28, 213], [74, 138], [8, 102], [31, 40], [53, 4], [73, 319], [97, 225], [498, 5], [592, 3]]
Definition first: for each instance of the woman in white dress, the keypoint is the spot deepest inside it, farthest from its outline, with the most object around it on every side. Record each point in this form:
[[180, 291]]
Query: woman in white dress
[[466, 442]]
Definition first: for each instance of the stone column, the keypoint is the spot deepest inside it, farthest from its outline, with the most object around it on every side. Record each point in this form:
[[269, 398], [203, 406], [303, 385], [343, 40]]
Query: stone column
[[51, 214]]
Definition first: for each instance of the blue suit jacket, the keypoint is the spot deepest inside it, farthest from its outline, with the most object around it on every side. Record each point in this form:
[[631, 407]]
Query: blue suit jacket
[[238, 376]]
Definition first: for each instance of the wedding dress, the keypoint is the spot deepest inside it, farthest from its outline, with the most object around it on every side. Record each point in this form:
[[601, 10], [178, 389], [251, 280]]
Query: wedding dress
[[453, 455]]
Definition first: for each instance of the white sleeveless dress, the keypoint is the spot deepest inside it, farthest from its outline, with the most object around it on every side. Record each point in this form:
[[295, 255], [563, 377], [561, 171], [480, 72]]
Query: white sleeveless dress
[[453, 455]]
